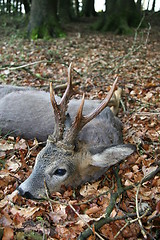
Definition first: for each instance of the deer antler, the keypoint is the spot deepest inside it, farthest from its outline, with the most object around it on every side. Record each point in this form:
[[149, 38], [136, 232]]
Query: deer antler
[[80, 120], [60, 109]]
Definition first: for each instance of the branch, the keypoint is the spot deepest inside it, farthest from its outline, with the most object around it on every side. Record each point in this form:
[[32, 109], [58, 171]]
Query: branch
[[137, 212], [24, 65], [84, 221], [97, 225], [150, 175], [131, 221], [120, 190]]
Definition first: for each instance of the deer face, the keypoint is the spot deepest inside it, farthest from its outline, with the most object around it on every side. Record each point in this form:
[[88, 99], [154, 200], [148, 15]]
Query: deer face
[[56, 166], [67, 161], [53, 168]]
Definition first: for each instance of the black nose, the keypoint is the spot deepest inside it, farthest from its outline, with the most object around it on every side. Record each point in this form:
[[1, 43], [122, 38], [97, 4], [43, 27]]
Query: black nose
[[25, 194]]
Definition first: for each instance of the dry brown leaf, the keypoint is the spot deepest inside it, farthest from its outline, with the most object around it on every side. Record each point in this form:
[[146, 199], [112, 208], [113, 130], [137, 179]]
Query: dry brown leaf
[[58, 214], [92, 210], [26, 212], [8, 234], [13, 164], [89, 189], [5, 219], [147, 171], [158, 207], [6, 146], [2, 155], [21, 145]]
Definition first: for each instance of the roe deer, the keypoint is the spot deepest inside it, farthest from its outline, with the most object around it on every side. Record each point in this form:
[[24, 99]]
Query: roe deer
[[28, 113], [82, 146]]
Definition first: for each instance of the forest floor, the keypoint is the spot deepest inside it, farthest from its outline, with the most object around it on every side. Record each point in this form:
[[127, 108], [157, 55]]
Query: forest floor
[[97, 59]]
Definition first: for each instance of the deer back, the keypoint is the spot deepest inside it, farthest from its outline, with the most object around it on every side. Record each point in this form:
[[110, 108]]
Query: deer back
[[28, 113]]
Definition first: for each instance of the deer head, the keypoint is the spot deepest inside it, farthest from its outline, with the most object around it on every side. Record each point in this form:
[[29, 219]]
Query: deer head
[[76, 153]]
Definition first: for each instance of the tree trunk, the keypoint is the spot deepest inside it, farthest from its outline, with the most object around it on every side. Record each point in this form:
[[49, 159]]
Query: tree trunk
[[120, 16], [148, 5], [26, 4], [139, 4], [77, 7], [88, 8], [153, 5], [8, 6], [65, 10], [43, 19]]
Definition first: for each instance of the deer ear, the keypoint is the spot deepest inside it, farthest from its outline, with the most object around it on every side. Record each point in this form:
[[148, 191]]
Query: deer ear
[[112, 155]]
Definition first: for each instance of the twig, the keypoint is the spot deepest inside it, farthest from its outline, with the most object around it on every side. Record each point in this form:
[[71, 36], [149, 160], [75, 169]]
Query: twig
[[130, 222], [148, 32], [84, 221], [93, 198], [152, 218], [109, 209], [150, 175], [32, 148], [34, 63], [123, 106], [147, 113], [137, 212], [146, 178], [133, 48], [25, 65], [46, 189], [136, 31], [97, 196], [111, 205], [63, 86]]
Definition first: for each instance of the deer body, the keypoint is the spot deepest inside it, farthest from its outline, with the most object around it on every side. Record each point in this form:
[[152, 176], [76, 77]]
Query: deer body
[[25, 112], [28, 113], [84, 142]]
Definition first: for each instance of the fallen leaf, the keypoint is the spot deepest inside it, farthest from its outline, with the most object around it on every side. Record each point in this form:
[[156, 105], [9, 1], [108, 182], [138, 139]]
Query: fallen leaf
[[92, 210], [8, 234], [8, 198], [5, 219], [148, 170], [13, 164], [148, 96], [58, 214], [21, 145], [2, 155], [89, 189], [6, 146], [158, 207], [26, 212]]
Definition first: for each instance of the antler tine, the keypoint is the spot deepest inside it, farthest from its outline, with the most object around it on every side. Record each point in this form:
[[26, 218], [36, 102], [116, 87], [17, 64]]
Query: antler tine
[[60, 109], [69, 90], [52, 97], [80, 120], [103, 105], [58, 130], [76, 125]]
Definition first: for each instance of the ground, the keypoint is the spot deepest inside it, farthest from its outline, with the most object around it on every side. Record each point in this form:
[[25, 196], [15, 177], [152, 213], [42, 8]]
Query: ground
[[97, 59]]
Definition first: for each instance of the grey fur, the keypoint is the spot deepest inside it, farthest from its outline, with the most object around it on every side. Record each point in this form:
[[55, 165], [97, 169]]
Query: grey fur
[[28, 113]]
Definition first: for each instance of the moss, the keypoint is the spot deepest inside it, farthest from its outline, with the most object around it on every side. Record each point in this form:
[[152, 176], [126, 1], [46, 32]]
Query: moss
[[97, 25], [115, 23], [29, 235], [120, 19], [47, 30], [1, 233]]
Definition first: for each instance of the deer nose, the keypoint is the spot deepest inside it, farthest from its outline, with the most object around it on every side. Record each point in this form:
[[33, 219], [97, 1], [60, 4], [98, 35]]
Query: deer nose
[[25, 194]]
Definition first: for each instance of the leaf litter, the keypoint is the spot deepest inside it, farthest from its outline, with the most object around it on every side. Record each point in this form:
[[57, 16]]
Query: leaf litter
[[97, 59]]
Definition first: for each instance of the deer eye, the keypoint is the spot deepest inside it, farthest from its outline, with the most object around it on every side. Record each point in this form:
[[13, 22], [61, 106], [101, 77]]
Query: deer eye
[[60, 172]]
